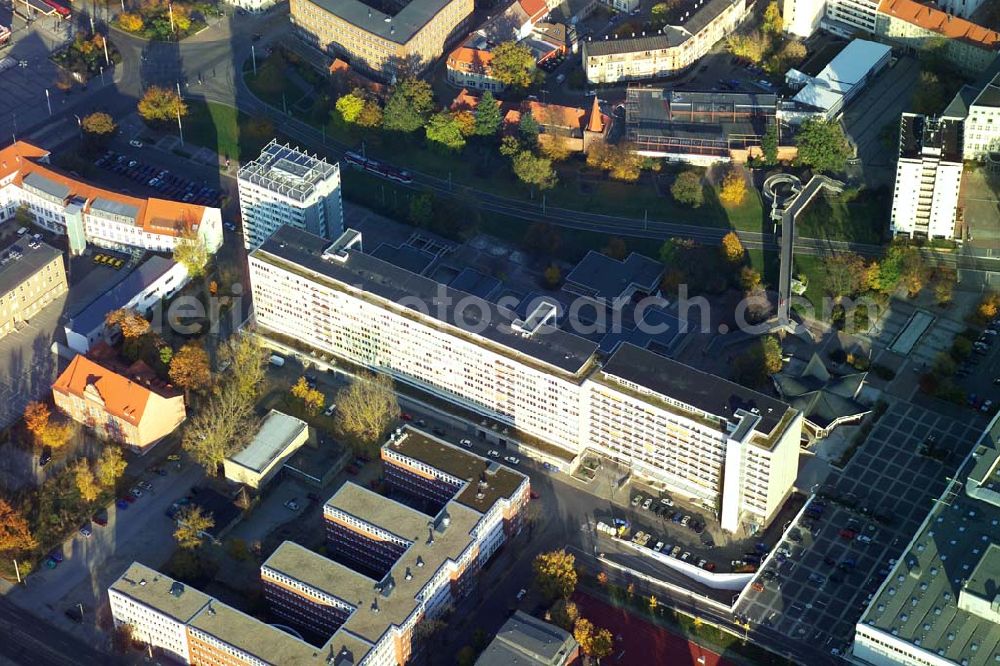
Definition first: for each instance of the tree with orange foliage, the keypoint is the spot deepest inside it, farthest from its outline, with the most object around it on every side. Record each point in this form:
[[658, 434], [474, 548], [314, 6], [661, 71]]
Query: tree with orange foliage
[[36, 418], [130, 22], [131, 323], [732, 248], [190, 368], [15, 535]]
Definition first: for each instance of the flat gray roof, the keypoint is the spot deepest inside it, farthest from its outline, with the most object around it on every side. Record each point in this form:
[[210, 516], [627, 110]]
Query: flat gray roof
[[287, 171], [13, 272], [92, 317], [409, 293], [703, 391], [603, 277], [498, 479], [51, 187], [115, 207], [276, 434], [155, 590], [955, 549], [262, 640], [399, 27], [380, 511], [524, 640]]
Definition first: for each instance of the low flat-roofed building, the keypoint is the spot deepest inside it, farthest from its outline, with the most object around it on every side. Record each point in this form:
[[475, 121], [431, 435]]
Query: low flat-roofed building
[[155, 279], [940, 603], [524, 640], [694, 126], [136, 410], [278, 438], [611, 281], [830, 91], [32, 275]]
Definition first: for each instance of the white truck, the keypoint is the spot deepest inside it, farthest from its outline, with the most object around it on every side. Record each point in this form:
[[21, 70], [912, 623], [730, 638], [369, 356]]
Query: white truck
[[276, 361]]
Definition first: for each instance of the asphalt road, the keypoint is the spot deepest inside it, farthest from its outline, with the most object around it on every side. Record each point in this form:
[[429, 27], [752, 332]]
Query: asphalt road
[[28, 641]]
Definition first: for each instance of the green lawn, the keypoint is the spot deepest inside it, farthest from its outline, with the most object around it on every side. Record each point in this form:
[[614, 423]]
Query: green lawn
[[863, 220], [271, 82], [811, 268], [222, 129]]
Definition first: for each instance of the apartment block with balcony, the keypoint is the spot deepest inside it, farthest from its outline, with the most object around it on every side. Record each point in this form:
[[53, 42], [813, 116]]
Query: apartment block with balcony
[[539, 379], [928, 177], [671, 50], [32, 275], [86, 214], [285, 185], [384, 39]]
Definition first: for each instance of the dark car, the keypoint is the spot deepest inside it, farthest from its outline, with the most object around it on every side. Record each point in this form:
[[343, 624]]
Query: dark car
[[100, 518], [57, 555], [45, 457]]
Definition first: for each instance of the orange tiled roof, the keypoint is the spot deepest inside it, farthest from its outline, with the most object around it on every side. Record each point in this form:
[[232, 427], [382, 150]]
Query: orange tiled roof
[[535, 9], [931, 18], [122, 397], [157, 216], [556, 115], [339, 65], [596, 123], [470, 59]]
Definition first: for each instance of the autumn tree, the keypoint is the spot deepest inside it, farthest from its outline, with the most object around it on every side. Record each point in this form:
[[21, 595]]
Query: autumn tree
[[793, 53], [661, 12], [190, 368], [945, 278], [371, 114], [565, 613], [312, 399], [366, 410], [772, 19], [555, 148], [132, 324], [687, 189], [98, 128], [513, 65], [247, 362], [130, 22], [555, 574], [595, 642], [349, 106], [844, 274], [222, 426], [86, 483], [732, 248], [771, 350], [36, 418], [191, 252], [749, 279], [734, 189], [159, 104], [752, 47], [15, 535], [191, 523], [552, 276], [110, 466], [602, 579], [988, 308]]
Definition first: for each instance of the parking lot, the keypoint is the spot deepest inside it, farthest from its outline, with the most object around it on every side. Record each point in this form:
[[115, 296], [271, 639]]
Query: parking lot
[[815, 589], [161, 181]]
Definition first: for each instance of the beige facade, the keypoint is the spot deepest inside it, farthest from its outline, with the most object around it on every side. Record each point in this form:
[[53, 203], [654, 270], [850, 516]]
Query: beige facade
[[122, 409], [279, 437], [32, 276], [671, 50], [380, 44]]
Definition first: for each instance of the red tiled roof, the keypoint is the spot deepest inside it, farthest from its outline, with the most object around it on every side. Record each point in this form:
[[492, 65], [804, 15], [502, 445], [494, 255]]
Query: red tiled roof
[[935, 20], [535, 9], [596, 123], [469, 59], [122, 397]]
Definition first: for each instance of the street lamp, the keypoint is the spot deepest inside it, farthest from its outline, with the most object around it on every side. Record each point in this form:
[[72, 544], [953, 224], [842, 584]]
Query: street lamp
[[180, 128], [48, 101], [79, 124]]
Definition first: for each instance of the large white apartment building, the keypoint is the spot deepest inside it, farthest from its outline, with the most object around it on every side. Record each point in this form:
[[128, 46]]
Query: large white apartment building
[[981, 132], [803, 17], [928, 177], [90, 215], [696, 433], [284, 185]]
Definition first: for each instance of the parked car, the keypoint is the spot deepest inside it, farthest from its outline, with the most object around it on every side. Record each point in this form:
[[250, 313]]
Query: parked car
[[135, 143], [406, 417], [292, 505], [493, 453], [121, 503], [85, 530], [173, 457], [513, 460], [658, 547], [330, 409], [637, 500], [45, 457], [57, 555], [100, 518], [521, 593], [666, 501], [467, 443], [647, 503]]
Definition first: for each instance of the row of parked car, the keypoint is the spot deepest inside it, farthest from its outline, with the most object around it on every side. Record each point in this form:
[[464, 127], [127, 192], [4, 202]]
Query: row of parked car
[[647, 540], [168, 184], [663, 507]]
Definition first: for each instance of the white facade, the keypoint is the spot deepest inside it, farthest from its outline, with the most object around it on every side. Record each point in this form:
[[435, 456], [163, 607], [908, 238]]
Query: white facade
[[254, 6], [928, 181], [802, 17], [149, 625], [660, 437], [963, 8], [857, 14], [287, 186]]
